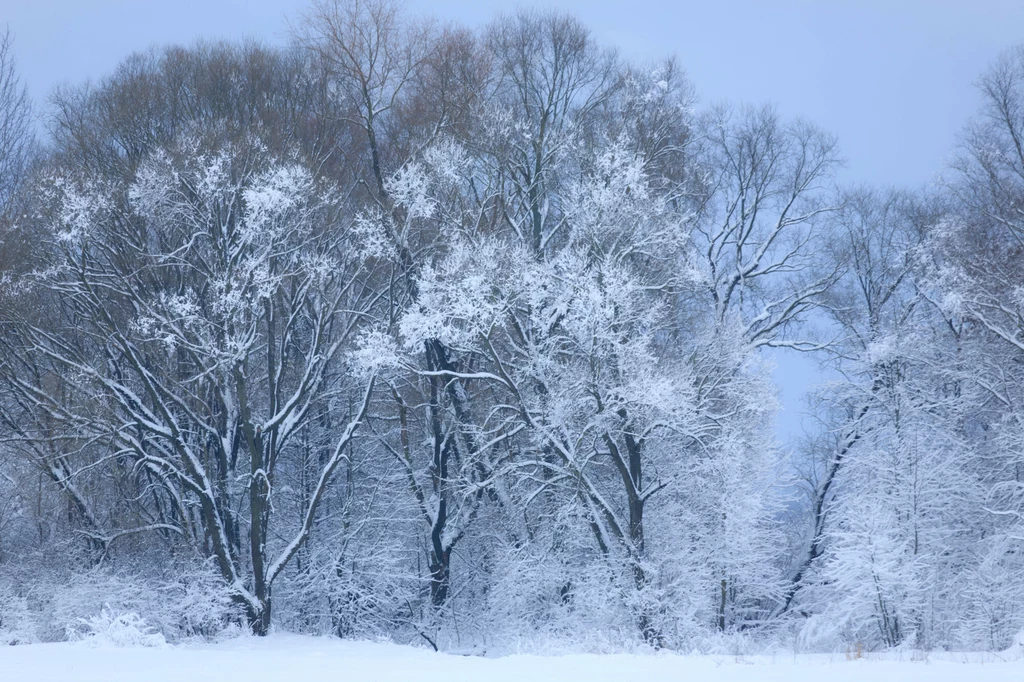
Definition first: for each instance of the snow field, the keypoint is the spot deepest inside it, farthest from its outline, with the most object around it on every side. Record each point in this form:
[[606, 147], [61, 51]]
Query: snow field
[[295, 658]]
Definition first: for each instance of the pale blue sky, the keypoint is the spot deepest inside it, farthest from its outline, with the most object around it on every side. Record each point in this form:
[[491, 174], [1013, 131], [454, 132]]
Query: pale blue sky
[[893, 79]]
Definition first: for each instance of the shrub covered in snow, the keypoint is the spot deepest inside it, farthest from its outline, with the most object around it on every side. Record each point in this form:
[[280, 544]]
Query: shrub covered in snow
[[115, 629]]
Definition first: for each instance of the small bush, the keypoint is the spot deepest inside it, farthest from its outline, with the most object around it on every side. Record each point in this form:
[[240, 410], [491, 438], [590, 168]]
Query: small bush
[[122, 630], [16, 623]]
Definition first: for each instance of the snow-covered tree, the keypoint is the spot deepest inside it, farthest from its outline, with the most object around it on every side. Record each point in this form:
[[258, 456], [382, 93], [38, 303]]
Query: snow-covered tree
[[200, 315]]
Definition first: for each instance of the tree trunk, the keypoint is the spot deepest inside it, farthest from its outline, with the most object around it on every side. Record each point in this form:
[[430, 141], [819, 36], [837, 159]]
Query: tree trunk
[[259, 618], [440, 572], [722, 600]]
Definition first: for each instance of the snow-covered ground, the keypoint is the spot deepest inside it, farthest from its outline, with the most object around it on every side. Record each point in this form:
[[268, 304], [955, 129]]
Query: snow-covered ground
[[307, 659]]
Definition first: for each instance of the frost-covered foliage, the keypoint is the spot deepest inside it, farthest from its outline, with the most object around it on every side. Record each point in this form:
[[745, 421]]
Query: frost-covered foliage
[[42, 603], [108, 629], [466, 340]]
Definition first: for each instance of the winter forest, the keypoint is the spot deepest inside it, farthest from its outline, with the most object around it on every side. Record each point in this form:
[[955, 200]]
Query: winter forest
[[464, 338]]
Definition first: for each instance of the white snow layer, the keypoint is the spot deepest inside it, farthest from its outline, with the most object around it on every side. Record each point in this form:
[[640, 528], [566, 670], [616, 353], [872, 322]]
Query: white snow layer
[[296, 658]]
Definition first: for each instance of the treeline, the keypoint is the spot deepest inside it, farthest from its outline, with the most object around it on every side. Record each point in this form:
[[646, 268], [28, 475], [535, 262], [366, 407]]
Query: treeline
[[463, 337]]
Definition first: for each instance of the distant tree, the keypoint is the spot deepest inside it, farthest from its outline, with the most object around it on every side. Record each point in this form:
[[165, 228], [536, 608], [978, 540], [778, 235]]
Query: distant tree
[[16, 134]]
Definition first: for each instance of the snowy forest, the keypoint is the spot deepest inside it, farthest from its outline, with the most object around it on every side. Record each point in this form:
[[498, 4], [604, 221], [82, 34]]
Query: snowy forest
[[464, 338]]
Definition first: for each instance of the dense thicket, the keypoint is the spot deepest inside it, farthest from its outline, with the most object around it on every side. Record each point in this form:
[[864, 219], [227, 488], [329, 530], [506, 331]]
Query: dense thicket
[[464, 337]]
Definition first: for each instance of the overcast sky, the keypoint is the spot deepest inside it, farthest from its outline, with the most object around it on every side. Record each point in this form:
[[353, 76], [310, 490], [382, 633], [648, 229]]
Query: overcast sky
[[893, 79]]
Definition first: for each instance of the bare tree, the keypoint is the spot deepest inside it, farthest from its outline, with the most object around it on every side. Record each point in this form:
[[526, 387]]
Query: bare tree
[[16, 137], [769, 187], [551, 78], [870, 251], [17, 147]]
